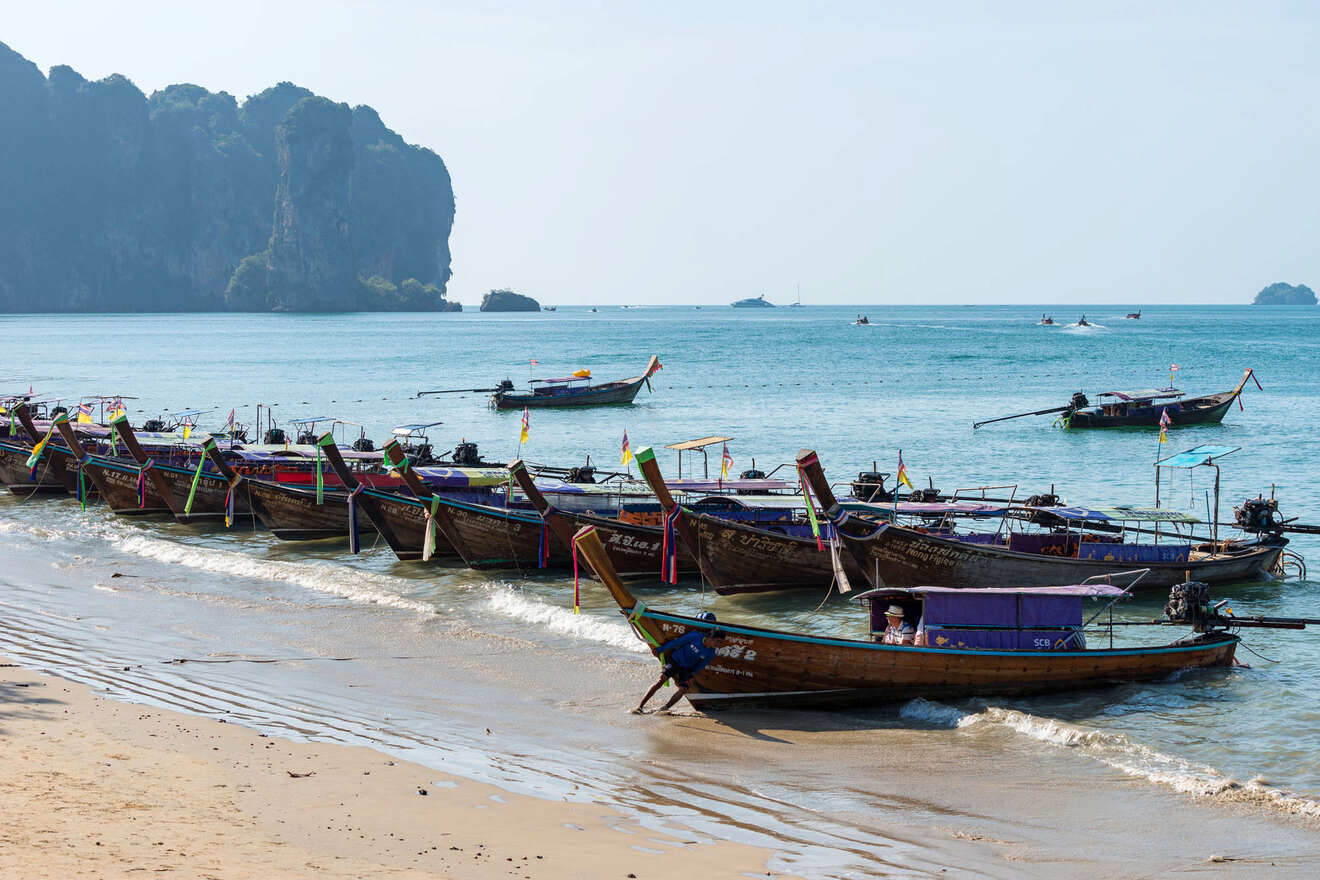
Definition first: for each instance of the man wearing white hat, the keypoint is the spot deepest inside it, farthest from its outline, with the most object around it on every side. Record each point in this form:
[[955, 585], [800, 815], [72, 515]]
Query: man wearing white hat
[[897, 630]]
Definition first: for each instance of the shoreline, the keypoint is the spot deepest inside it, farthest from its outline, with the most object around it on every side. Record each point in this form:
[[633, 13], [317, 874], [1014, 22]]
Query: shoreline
[[95, 787]]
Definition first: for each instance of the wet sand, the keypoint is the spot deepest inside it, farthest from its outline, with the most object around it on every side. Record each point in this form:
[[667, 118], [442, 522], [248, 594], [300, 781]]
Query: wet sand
[[91, 787]]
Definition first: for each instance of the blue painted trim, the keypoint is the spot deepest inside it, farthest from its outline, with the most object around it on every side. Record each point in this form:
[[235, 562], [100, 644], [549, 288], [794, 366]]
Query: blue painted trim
[[876, 646]]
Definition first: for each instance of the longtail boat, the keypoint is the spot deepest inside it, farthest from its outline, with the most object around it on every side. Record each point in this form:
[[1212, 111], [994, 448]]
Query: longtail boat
[[291, 512], [128, 487], [1068, 551], [410, 525], [633, 548], [574, 390], [483, 535], [736, 557], [995, 642], [51, 473], [1145, 408]]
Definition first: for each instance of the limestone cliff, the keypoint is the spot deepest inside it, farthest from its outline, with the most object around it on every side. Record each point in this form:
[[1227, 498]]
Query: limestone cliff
[[508, 301], [111, 200], [1281, 294]]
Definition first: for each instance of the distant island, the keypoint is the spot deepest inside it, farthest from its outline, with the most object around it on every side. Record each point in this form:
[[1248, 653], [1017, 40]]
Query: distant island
[[505, 300], [1281, 294], [187, 200]]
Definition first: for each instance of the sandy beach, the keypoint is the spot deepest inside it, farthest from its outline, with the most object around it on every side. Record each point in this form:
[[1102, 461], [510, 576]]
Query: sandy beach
[[92, 787]]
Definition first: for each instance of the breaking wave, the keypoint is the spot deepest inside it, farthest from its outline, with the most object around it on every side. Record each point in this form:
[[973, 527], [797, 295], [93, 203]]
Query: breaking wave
[[509, 602], [1120, 752]]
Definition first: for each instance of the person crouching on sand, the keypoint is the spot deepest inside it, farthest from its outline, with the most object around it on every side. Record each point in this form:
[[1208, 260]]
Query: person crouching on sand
[[683, 657]]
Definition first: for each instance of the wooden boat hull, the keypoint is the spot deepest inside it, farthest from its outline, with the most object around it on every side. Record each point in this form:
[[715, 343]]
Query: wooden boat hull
[[117, 483], [292, 514], [1197, 411], [495, 538], [633, 549], [401, 521], [895, 556], [610, 393], [764, 667], [737, 558], [14, 472], [209, 499]]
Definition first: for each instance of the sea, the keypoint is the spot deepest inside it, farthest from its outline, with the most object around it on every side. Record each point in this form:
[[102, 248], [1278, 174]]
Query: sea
[[312, 642]]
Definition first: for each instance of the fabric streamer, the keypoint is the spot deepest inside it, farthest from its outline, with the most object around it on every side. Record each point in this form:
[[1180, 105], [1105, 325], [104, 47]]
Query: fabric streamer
[[82, 487], [320, 478], [229, 506], [192, 490], [669, 547], [836, 561], [352, 519], [543, 547], [811, 510], [36, 450], [428, 543], [142, 483], [576, 608]]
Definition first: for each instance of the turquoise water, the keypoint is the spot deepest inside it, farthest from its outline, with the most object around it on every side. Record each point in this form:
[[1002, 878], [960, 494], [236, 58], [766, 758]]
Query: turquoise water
[[776, 381]]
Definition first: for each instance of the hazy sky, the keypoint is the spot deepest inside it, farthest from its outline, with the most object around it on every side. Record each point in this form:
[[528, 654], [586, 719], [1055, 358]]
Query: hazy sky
[[890, 153]]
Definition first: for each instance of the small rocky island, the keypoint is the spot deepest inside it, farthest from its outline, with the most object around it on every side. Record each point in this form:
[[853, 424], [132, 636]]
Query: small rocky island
[[506, 300], [1281, 294]]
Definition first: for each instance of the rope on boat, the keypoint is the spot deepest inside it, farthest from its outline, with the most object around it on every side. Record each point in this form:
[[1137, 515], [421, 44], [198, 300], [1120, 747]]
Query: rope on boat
[[1257, 653]]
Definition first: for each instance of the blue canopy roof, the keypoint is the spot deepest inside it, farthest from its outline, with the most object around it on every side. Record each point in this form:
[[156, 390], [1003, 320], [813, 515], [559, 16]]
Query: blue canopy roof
[[1203, 454]]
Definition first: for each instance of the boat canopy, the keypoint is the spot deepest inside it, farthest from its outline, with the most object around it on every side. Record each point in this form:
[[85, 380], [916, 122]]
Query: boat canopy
[[1084, 590], [1203, 454], [1144, 394], [311, 420], [1120, 514], [560, 381], [458, 478], [918, 508], [698, 443], [409, 430]]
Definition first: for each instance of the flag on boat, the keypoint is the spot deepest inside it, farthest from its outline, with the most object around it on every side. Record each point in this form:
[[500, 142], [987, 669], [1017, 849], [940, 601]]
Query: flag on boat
[[1165, 421], [1173, 368], [522, 438], [229, 422], [187, 429], [533, 363], [626, 451], [902, 473], [117, 409], [726, 462], [84, 413]]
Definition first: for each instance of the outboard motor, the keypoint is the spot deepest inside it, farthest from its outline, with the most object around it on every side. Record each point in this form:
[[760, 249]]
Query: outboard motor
[[466, 455], [870, 486], [364, 444], [275, 437], [584, 474], [925, 496], [421, 454], [1259, 515], [1190, 603], [238, 435], [1079, 401], [751, 473], [1045, 499], [307, 438], [153, 426], [505, 386], [59, 411]]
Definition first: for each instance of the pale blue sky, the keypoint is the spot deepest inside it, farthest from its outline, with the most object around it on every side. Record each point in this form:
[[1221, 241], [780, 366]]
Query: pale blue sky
[[873, 152]]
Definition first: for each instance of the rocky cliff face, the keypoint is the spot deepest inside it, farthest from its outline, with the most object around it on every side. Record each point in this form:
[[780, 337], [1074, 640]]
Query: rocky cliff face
[[187, 200]]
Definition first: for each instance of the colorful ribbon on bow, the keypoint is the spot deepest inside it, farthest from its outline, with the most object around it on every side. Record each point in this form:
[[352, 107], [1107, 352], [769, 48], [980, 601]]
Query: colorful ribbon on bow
[[229, 505], [428, 542], [543, 547], [576, 594], [142, 483], [352, 518], [811, 510], [192, 490], [669, 547]]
